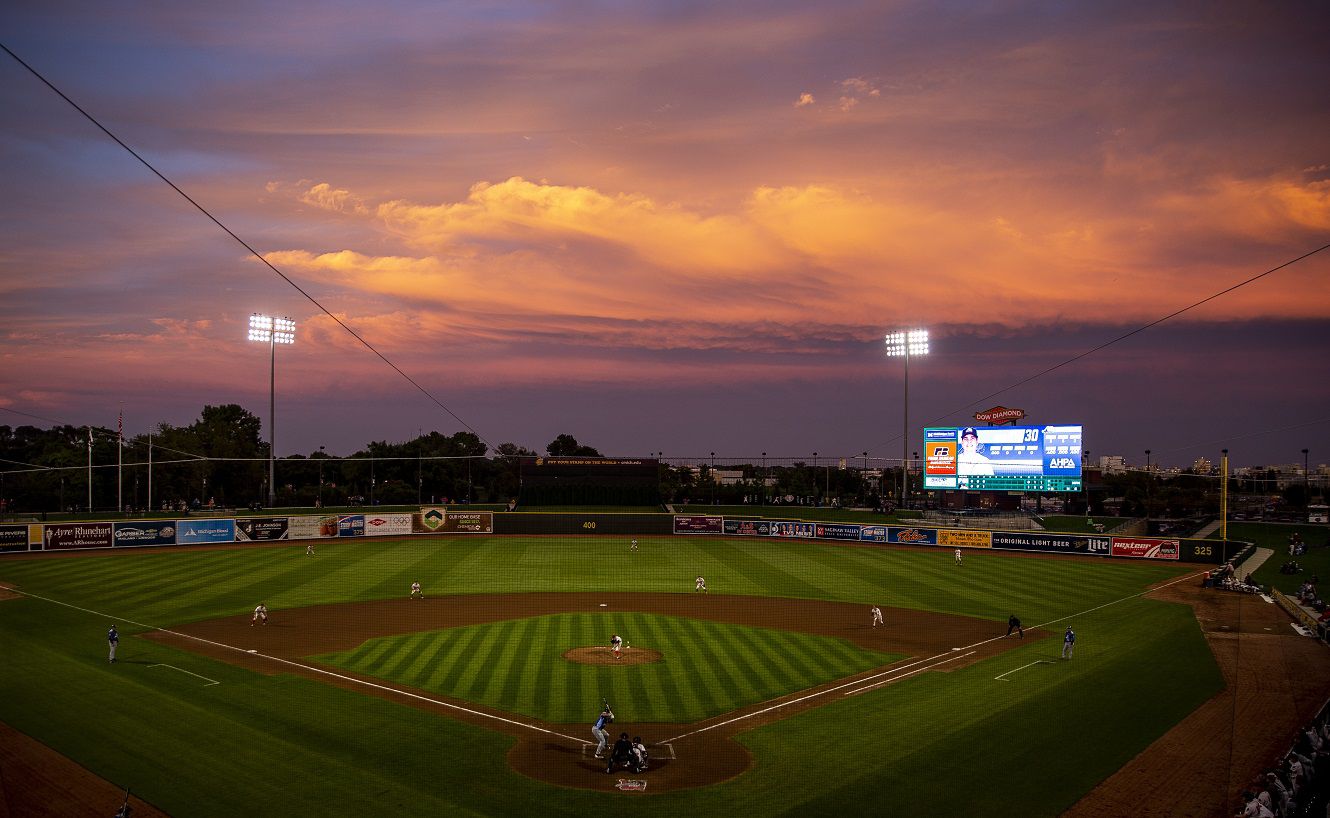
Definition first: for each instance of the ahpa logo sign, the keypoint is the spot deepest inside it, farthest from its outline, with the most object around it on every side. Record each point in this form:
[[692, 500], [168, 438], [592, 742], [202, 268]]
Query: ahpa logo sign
[[631, 785]]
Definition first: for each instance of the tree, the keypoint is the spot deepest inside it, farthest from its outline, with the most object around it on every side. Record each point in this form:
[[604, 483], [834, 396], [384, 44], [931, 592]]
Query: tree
[[567, 446]]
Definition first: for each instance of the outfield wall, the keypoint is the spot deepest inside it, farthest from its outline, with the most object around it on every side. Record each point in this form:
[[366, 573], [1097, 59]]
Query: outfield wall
[[442, 520]]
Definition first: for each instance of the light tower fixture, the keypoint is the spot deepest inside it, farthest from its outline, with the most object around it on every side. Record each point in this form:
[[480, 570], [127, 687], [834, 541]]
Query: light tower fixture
[[906, 343], [272, 331]]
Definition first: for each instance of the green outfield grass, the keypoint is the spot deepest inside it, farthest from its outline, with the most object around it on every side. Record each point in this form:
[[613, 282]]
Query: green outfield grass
[[708, 668], [288, 745]]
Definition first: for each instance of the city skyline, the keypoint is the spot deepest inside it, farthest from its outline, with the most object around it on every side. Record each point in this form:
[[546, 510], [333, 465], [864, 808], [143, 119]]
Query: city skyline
[[676, 229]]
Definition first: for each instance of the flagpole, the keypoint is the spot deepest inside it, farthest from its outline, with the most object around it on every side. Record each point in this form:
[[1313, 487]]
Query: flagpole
[[89, 469], [119, 461]]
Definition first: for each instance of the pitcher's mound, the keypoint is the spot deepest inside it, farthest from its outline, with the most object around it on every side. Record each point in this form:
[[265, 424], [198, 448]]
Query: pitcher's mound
[[601, 655]]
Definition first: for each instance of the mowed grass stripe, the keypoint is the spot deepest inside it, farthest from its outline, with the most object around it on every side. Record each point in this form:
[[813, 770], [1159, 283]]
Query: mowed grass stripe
[[708, 668], [513, 665], [473, 679]]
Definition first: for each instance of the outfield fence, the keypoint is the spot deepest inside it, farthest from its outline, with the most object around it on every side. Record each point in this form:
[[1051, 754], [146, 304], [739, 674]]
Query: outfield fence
[[439, 520]]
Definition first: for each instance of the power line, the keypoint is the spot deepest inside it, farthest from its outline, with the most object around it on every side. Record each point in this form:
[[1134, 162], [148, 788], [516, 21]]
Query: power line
[[246, 245], [1122, 337]]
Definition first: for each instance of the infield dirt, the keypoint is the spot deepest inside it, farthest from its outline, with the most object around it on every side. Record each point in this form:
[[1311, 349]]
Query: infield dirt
[[702, 753]]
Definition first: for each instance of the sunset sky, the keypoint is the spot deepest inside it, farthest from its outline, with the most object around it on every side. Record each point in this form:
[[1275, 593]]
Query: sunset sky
[[679, 227]]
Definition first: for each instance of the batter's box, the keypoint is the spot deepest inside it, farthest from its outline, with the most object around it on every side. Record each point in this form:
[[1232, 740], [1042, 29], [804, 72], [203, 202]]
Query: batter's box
[[661, 752]]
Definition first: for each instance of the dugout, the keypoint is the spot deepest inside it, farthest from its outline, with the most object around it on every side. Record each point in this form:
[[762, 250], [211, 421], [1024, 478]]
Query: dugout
[[589, 481]]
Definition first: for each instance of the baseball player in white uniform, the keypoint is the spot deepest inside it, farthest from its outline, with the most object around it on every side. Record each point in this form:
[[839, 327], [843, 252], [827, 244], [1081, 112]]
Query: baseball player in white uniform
[[700, 584], [616, 645], [633, 546], [416, 592], [877, 615], [260, 614], [958, 556]]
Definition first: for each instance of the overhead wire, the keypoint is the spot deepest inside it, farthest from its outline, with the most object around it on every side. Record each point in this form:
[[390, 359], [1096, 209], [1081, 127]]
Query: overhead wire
[[245, 244]]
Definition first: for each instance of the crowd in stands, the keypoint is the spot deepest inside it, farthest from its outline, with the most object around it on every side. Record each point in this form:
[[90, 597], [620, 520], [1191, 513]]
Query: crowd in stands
[[1296, 547], [1298, 786], [1308, 595]]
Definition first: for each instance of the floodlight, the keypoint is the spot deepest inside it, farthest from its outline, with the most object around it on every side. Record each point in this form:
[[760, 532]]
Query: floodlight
[[272, 331]]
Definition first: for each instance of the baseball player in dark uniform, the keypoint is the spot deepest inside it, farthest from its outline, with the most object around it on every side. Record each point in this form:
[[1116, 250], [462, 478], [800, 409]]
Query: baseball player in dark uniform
[[1014, 624], [113, 639], [622, 753]]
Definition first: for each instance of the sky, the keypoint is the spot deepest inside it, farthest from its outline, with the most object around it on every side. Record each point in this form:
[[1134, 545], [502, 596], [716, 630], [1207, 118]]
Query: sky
[[674, 227]]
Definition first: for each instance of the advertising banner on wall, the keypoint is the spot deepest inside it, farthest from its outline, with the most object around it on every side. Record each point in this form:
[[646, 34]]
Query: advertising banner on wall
[[77, 535], [188, 532], [837, 531], [747, 528], [430, 519], [965, 539], [786, 528], [311, 527], [1146, 548], [13, 538], [261, 529], [872, 533], [1059, 543], [698, 525], [912, 536], [351, 525], [382, 525], [144, 532], [469, 522]]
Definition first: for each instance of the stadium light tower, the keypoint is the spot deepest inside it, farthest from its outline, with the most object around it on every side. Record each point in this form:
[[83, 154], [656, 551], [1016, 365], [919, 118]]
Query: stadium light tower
[[904, 344], [272, 331]]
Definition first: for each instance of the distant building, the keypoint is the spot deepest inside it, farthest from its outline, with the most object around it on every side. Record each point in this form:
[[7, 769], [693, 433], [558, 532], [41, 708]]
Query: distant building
[[1203, 466], [1113, 464]]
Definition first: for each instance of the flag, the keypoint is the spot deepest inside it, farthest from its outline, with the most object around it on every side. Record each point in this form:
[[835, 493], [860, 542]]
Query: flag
[[120, 426]]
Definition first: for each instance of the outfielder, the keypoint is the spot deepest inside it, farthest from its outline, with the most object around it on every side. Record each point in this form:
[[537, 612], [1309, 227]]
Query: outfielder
[[958, 556], [309, 549], [598, 730], [113, 639], [701, 584], [260, 613], [877, 615], [633, 546], [1068, 643], [416, 592]]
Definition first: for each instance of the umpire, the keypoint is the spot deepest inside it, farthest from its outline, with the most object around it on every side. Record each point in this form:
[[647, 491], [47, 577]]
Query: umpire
[[622, 753], [1014, 624]]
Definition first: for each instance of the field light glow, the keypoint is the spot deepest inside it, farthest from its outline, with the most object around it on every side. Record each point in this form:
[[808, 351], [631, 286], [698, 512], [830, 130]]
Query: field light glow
[[907, 342], [277, 330]]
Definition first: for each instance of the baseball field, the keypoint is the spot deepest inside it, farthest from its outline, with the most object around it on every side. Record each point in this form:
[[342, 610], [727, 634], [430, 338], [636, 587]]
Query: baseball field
[[769, 694]]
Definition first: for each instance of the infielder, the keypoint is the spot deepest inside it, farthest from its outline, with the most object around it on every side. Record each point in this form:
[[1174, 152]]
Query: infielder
[[260, 613], [416, 592], [877, 615], [113, 639], [958, 556], [1068, 643], [616, 645], [598, 730], [700, 585]]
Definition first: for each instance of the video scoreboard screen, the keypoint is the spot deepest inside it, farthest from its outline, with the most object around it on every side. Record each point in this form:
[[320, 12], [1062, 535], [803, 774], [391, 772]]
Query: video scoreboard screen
[[1003, 458]]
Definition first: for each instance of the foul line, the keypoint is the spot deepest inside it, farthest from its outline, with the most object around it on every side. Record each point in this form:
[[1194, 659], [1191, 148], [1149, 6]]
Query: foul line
[[304, 666], [1022, 667], [894, 671], [195, 675]]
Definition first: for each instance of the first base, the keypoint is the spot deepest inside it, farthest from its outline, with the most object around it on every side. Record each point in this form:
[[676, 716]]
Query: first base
[[604, 604]]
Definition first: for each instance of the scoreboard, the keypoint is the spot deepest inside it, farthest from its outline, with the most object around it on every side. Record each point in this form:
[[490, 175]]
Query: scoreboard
[[1003, 458]]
